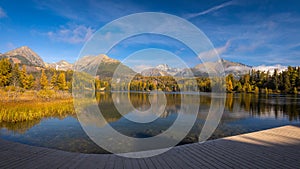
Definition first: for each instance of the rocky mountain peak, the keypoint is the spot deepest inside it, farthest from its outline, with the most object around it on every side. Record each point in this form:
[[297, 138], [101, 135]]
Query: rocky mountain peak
[[24, 55], [154, 72], [163, 67], [61, 65], [107, 59]]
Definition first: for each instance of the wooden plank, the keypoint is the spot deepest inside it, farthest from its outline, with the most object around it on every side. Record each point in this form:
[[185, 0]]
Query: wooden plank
[[91, 161], [135, 163], [149, 163], [167, 158], [127, 163], [209, 157], [231, 155], [242, 150], [224, 155], [110, 162], [156, 163], [187, 161], [279, 149], [119, 163], [273, 148], [192, 159], [74, 162], [142, 163], [207, 160], [32, 161], [171, 155], [20, 160]]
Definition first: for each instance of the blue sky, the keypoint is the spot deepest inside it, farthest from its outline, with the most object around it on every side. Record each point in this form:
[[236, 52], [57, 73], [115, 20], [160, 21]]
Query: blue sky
[[252, 32]]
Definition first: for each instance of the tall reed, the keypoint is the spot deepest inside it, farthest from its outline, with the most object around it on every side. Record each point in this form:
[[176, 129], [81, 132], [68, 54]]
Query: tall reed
[[30, 106]]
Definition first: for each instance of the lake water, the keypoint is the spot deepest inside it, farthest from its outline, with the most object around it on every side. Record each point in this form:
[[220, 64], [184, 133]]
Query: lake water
[[243, 113]]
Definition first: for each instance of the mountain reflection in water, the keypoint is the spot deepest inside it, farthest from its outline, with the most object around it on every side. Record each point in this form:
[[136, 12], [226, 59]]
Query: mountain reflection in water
[[243, 113]]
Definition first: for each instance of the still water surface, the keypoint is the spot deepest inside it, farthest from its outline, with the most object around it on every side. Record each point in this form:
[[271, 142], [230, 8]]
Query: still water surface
[[243, 113]]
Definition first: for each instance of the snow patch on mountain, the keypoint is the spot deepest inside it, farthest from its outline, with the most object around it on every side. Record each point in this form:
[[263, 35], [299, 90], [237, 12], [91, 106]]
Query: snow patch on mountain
[[271, 68]]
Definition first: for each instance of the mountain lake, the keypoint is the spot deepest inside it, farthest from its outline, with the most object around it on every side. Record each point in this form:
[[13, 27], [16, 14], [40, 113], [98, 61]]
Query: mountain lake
[[243, 113]]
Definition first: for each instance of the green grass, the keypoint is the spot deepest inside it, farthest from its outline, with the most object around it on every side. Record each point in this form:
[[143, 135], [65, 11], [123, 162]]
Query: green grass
[[34, 110], [33, 105]]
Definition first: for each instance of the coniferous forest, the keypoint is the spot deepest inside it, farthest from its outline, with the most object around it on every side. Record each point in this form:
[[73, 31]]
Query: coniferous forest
[[14, 77]]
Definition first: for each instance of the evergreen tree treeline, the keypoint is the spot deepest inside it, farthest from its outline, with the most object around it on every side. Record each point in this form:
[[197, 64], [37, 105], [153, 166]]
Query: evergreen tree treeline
[[287, 81], [14, 76]]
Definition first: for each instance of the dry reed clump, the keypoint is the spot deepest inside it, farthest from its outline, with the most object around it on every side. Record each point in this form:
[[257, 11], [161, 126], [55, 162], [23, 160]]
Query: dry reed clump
[[30, 106]]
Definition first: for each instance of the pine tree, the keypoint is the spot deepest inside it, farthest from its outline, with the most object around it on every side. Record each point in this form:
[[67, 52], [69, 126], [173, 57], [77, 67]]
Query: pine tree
[[295, 90], [61, 82], [229, 86], [15, 81], [275, 79], [293, 77], [43, 80], [5, 72], [97, 84], [69, 85], [154, 87], [53, 81], [298, 77], [229, 83], [249, 88], [30, 81], [286, 81], [239, 87], [24, 78], [256, 90]]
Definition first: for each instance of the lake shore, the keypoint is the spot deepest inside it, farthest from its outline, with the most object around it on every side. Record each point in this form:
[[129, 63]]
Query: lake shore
[[34, 105]]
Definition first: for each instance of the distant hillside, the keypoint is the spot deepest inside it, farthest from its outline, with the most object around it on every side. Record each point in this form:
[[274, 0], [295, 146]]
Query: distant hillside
[[161, 70], [200, 70], [154, 72], [61, 65], [106, 68], [234, 68], [25, 56]]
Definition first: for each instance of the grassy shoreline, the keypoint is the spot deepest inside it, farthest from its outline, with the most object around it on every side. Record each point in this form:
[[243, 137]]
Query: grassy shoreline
[[34, 105]]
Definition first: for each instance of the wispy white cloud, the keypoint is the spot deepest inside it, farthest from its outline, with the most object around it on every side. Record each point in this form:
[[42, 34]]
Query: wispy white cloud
[[211, 57], [224, 48], [284, 17], [215, 8], [88, 11], [259, 37], [2, 13], [71, 33], [112, 10], [249, 47], [277, 58], [211, 54], [296, 45], [61, 8]]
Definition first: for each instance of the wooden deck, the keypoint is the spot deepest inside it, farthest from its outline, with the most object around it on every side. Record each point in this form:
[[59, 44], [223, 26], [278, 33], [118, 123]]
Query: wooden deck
[[273, 148]]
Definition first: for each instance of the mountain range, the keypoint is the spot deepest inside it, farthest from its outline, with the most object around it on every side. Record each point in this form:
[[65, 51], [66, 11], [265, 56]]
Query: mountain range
[[26, 56], [61, 65]]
